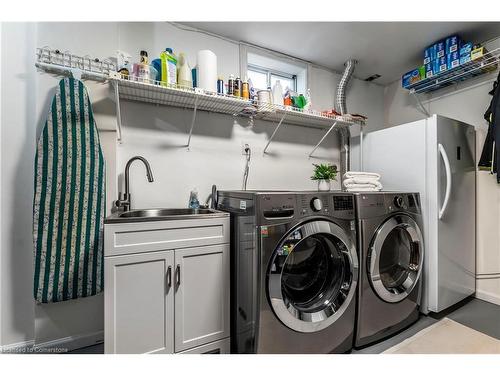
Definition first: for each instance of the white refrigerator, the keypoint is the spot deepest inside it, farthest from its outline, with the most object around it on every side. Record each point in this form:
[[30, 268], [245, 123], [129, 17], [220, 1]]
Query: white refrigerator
[[435, 157]]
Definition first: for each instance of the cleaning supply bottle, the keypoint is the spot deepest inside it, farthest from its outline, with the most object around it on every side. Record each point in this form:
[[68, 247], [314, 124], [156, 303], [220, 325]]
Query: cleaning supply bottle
[[142, 70], [230, 85], [277, 93], [193, 199], [156, 63], [184, 75], [123, 63], [168, 67], [308, 105], [237, 87], [245, 92]]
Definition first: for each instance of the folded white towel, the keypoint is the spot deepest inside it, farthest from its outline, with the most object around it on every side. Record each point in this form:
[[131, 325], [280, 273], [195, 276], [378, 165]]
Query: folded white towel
[[357, 188], [362, 180], [352, 174], [362, 184]]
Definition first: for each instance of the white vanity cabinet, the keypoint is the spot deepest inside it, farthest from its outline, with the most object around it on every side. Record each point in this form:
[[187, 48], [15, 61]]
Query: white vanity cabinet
[[167, 286]]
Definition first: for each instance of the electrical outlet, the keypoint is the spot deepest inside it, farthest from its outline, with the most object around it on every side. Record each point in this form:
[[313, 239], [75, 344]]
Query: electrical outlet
[[244, 147]]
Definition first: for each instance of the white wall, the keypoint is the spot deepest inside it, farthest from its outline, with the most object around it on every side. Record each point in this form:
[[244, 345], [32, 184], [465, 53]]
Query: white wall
[[466, 102], [17, 148], [26, 95], [155, 132]]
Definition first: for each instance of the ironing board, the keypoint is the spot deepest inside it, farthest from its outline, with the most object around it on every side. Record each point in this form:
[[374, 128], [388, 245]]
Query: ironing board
[[69, 201]]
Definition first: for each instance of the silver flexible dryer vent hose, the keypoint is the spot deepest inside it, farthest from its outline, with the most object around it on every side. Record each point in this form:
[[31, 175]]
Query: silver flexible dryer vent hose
[[345, 133], [341, 89]]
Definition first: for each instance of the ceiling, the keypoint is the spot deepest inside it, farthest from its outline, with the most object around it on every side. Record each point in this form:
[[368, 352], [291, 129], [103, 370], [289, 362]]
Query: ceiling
[[386, 48]]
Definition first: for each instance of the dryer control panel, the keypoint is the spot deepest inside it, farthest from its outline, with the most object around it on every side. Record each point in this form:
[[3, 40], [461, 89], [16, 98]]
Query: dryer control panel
[[335, 205]]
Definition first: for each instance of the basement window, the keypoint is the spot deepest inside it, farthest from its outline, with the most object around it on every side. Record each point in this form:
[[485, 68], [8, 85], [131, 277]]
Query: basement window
[[264, 68], [263, 78]]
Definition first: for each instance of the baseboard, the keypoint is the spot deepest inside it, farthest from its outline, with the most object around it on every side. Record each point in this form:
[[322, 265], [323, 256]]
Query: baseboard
[[18, 347], [488, 297], [69, 343]]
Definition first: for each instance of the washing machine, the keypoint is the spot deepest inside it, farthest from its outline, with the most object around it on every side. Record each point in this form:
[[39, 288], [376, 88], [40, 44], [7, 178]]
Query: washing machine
[[294, 271], [391, 254]]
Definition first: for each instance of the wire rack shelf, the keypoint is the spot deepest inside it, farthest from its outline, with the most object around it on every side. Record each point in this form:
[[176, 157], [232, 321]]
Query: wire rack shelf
[[155, 92], [487, 63], [55, 61]]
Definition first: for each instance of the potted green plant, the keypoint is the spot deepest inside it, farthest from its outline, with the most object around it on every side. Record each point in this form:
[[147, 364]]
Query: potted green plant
[[324, 173]]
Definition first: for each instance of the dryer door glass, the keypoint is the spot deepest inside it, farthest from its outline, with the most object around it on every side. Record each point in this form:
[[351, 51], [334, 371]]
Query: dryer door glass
[[395, 258], [312, 276]]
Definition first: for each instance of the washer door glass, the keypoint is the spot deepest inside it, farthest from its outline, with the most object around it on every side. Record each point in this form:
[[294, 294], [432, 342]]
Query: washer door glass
[[395, 258], [312, 276]]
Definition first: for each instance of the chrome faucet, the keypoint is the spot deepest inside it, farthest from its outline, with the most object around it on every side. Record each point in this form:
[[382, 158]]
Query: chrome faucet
[[125, 202]]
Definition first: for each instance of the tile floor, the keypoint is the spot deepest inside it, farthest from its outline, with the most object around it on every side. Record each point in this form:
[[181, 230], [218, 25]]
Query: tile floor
[[477, 314]]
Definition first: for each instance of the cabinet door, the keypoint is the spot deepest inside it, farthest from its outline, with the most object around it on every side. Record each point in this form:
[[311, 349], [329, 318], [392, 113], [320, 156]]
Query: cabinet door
[[139, 303], [201, 296]]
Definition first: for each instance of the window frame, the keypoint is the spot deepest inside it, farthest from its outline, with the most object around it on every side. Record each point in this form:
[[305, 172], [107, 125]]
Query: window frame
[[273, 72]]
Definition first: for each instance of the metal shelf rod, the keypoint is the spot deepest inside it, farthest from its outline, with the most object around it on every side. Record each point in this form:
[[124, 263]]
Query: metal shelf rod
[[193, 119], [322, 139], [118, 113], [274, 133]]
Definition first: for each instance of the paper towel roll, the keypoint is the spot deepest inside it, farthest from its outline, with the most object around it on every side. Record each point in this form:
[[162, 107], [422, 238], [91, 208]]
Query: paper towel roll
[[206, 70]]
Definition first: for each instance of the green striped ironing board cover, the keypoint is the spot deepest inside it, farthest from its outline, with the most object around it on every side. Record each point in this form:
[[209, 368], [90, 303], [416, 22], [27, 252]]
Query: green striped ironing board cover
[[69, 201]]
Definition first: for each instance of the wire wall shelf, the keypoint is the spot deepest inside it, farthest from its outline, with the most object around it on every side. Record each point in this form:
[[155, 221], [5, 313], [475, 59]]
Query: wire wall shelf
[[486, 63], [55, 61], [155, 92]]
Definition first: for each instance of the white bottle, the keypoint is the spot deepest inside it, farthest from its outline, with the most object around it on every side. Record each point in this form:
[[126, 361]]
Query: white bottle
[[184, 75], [277, 93], [308, 105]]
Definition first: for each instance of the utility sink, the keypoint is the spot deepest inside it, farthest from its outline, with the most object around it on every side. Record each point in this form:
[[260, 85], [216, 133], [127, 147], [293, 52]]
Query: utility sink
[[155, 214]]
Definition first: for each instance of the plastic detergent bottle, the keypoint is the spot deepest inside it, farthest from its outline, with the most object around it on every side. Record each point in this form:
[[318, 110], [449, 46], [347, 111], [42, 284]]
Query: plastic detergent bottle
[[184, 75], [278, 93], [142, 70], [168, 67], [193, 199]]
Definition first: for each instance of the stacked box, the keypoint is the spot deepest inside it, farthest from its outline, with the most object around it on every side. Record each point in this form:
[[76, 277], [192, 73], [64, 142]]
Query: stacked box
[[429, 54], [413, 76], [452, 60], [440, 65], [466, 49], [429, 70], [440, 49], [453, 44]]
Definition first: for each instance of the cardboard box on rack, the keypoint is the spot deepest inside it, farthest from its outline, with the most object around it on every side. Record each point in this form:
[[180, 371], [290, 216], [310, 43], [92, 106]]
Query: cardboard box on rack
[[440, 49], [465, 59], [452, 60], [453, 44], [413, 76], [430, 54], [440, 65], [429, 70], [466, 49]]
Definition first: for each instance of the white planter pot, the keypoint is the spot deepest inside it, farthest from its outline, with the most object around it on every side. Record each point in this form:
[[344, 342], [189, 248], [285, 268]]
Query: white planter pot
[[324, 185]]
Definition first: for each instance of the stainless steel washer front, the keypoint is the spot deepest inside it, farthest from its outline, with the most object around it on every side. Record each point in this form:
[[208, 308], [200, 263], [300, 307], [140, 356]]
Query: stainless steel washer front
[[312, 276], [395, 258]]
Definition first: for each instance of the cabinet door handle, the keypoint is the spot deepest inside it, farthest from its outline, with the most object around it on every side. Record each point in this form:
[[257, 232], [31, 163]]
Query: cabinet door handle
[[178, 274], [169, 276]]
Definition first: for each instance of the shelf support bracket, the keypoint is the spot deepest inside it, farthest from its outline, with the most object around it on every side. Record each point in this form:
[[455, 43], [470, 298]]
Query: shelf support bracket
[[322, 139], [417, 98], [193, 120], [118, 113], [274, 133]]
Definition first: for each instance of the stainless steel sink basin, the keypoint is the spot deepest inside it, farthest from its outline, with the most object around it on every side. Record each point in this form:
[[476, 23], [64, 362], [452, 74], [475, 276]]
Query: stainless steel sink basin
[[156, 212], [153, 214]]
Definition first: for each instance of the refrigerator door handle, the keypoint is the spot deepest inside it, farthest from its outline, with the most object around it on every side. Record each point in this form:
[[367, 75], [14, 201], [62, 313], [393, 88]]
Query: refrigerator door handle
[[446, 161]]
